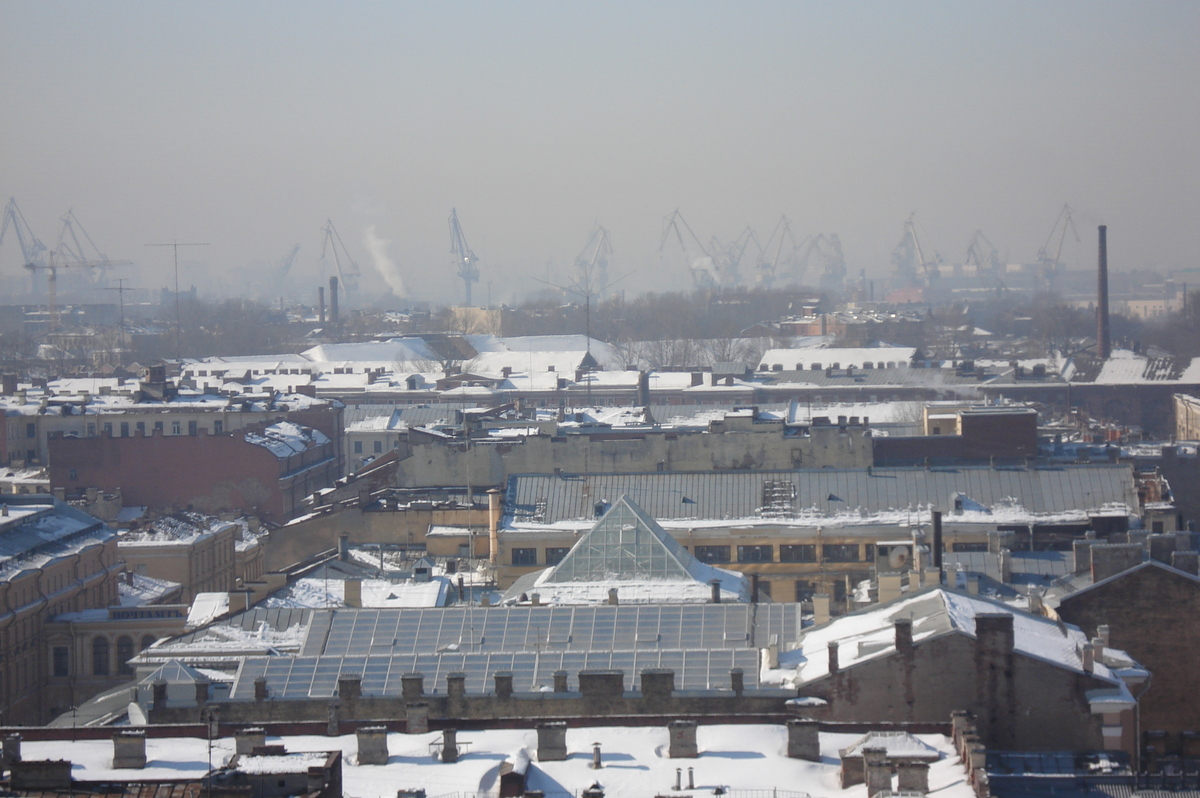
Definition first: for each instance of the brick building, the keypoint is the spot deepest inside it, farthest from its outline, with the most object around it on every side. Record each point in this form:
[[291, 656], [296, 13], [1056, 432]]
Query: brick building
[[1031, 683], [1150, 611], [265, 470]]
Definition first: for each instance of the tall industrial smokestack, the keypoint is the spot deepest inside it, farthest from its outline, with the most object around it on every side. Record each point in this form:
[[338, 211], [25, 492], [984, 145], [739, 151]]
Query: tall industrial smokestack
[[321, 304], [1103, 338], [334, 318]]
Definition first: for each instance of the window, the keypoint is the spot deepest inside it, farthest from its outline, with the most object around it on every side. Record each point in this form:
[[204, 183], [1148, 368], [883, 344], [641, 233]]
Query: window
[[840, 552], [124, 429], [193, 427], [107, 428], [158, 426], [358, 447], [140, 427], [1157, 527], [100, 656], [712, 554], [524, 556], [969, 547], [62, 661], [176, 428], [555, 554], [73, 474], [91, 430], [124, 654], [218, 427], [378, 447], [756, 553], [31, 430], [805, 590], [805, 552]]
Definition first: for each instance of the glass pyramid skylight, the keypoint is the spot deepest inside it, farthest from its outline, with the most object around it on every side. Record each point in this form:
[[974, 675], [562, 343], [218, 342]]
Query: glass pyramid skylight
[[626, 544]]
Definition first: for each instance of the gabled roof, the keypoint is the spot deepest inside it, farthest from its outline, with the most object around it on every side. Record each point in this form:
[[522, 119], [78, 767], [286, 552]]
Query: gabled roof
[[870, 633], [1086, 585]]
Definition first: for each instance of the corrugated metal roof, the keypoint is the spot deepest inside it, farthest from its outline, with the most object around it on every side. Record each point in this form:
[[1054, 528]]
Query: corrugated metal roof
[[716, 496]]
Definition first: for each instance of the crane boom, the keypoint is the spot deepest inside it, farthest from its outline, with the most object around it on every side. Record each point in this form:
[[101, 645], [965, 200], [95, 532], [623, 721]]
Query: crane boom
[[349, 273], [31, 247], [464, 258]]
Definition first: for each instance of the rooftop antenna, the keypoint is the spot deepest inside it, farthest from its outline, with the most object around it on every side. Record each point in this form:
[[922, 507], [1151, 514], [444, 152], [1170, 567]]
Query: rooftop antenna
[[587, 284], [121, 289], [175, 245]]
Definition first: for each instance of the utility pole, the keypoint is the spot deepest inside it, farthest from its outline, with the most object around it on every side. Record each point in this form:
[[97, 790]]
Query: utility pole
[[175, 245], [121, 289]]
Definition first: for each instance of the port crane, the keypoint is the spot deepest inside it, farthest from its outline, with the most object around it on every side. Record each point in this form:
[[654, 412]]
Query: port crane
[[464, 258], [909, 258], [703, 266], [347, 270], [591, 264], [31, 247], [1050, 266], [779, 255]]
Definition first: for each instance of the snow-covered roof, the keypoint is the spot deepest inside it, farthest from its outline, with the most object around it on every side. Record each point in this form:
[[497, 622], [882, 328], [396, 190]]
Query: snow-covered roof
[[636, 760], [144, 590], [316, 592], [38, 529], [826, 357], [870, 634], [285, 438]]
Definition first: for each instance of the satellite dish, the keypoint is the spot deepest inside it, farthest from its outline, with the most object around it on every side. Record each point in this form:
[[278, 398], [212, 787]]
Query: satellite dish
[[897, 557]]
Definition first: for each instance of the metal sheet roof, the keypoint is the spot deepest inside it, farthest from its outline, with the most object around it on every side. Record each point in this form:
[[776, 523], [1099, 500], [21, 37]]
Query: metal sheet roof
[[825, 492]]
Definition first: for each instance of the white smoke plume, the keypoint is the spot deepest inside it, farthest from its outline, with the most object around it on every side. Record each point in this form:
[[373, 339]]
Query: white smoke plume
[[387, 268]]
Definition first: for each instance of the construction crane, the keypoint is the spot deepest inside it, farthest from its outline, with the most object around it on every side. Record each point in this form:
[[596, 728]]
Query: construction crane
[[347, 270], [464, 258], [53, 263], [591, 264], [703, 266], [1050, 266], [31, 247]]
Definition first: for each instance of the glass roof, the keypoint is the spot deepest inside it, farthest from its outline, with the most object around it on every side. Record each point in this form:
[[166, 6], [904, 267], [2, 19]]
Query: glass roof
[[626, 544]]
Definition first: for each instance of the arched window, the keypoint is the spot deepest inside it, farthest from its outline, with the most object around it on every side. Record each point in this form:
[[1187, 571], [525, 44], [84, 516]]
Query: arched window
[[124, 654], [147, 641], [100, 656]]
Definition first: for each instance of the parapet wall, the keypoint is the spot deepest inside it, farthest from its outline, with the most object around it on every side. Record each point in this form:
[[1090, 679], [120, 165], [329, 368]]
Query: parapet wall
[[601, 694]]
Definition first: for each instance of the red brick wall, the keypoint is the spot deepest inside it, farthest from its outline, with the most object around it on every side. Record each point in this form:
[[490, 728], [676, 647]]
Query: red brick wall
[[1151, 613], [210, 472]]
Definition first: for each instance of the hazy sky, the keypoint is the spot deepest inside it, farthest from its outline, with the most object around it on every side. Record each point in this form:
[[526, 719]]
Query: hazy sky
[[248, 124]]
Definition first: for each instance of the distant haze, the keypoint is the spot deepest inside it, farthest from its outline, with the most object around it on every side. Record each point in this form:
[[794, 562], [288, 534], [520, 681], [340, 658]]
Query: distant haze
[[248, 125]]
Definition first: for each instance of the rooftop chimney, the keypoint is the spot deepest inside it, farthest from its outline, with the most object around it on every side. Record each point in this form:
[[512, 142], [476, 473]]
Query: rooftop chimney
[[1103, 340]]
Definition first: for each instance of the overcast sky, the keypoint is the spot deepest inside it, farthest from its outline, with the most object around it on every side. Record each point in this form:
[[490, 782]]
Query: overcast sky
[[249, 124]]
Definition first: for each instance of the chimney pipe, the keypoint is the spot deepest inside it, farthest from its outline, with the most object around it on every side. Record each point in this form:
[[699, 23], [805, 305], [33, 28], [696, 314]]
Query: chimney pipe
[[937, 539], [321, 303], [334, 317], [1103, 339]]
